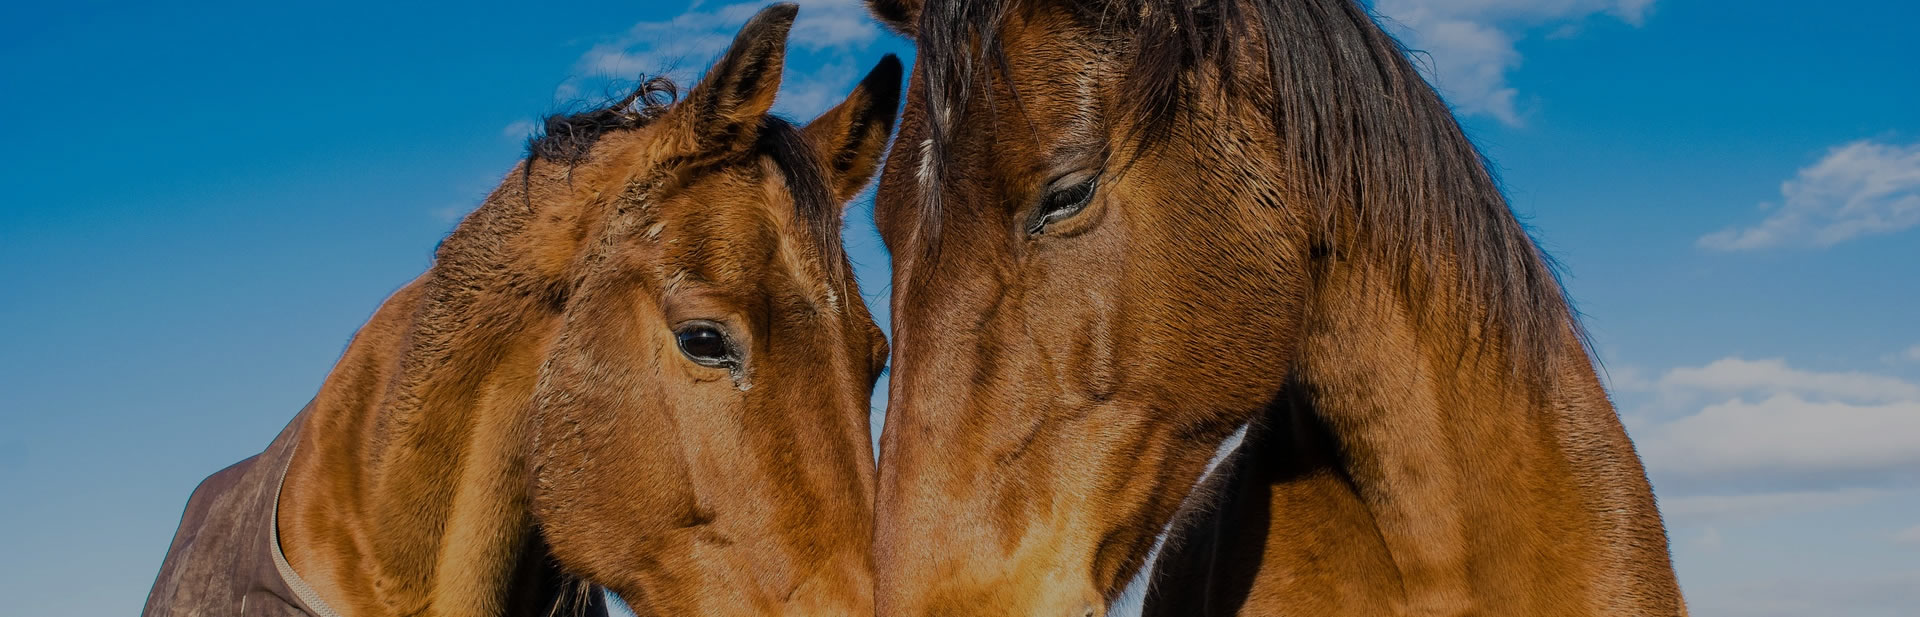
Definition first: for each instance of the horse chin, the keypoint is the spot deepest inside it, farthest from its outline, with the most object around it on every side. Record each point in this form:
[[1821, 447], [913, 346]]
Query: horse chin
[[1132, 600]]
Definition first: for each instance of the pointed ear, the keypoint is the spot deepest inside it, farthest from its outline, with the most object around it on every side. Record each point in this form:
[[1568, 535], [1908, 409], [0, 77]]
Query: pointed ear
[[726, 109], [853, 135], [903, 16]]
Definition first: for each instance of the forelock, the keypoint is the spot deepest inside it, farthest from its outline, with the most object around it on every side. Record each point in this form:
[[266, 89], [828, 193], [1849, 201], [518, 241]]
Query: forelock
[[568, 138]]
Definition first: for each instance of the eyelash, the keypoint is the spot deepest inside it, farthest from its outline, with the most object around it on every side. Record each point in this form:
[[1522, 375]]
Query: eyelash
[[1061, 204]]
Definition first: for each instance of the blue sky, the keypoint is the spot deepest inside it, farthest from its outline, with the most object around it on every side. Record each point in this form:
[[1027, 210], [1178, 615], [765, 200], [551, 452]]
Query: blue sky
[[203, 205]]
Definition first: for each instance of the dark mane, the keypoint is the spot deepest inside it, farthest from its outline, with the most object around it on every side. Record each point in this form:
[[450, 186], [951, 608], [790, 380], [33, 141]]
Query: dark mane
[[1372, 141], [568, 137], [812, 201]]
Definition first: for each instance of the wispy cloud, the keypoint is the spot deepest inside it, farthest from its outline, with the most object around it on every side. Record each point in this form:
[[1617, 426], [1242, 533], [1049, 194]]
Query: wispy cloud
[[1910, 354], [1788, 434], [831, 35], [1737, 375], [1910, 535], [1763, 423], [1698, 510], [518, 130], [1471, 42], [1884, 594], [1858, 189], [1710, 540]]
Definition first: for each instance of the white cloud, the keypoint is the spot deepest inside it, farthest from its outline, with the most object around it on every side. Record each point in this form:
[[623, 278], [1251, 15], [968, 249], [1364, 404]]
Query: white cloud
[[1862, 188], [1910, 354], [836, 32], [1888, 594], [1710, 540], [1910, 535], [821, 88], [1768, 423], [518, 130], [1700, 510], [1734, 375], [1785, 433], [834, 23], [1471, 42]]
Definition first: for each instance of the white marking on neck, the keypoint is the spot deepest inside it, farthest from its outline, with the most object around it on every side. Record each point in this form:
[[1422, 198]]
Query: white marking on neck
[[1133, 598], [942, 120], [925, 172]]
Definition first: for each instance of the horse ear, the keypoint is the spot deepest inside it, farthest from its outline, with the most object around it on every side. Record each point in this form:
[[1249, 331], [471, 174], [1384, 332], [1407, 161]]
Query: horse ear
[[853, 135], [903, 16], [733, 98]]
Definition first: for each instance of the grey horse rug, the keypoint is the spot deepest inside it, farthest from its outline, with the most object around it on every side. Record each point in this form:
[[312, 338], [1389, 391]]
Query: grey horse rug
[[225, 560]]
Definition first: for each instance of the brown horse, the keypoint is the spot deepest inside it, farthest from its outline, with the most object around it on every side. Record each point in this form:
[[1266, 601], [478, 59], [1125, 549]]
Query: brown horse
[[1138, 242], [641, 364]]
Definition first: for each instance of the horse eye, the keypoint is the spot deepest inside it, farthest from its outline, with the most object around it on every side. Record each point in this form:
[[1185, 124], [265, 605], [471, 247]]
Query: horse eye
[[1062, 203], [705, 345]]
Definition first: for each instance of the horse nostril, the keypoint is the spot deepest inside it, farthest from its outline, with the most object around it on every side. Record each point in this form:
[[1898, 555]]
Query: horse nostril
[[1090, 611]]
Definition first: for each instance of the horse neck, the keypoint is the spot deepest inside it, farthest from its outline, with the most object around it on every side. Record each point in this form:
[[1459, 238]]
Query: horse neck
[[1410, 468], [1485, 482], [407, 494]]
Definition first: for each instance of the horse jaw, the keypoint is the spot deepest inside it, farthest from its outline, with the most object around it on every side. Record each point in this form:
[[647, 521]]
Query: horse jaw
[[1133, 598]]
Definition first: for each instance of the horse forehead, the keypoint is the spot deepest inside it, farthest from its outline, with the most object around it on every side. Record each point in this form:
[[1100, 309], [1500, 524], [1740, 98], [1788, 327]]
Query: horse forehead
[[718, 223], [737, 231], [1051, 99], [1040, 118]]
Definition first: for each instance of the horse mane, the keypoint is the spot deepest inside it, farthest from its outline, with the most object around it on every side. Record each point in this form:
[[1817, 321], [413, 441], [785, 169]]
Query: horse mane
[[813, 202], [568, 137], [1372, 142]]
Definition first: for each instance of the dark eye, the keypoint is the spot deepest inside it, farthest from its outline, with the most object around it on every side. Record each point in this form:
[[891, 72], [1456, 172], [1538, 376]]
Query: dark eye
[[705, 344], [1062, 203]]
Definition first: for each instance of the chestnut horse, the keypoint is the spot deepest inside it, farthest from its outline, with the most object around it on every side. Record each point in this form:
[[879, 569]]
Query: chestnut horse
[[641, 364], [1136, 243]]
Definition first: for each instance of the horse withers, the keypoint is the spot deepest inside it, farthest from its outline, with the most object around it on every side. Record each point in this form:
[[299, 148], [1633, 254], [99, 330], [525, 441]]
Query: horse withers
[[642, 364], [1139, 243]]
